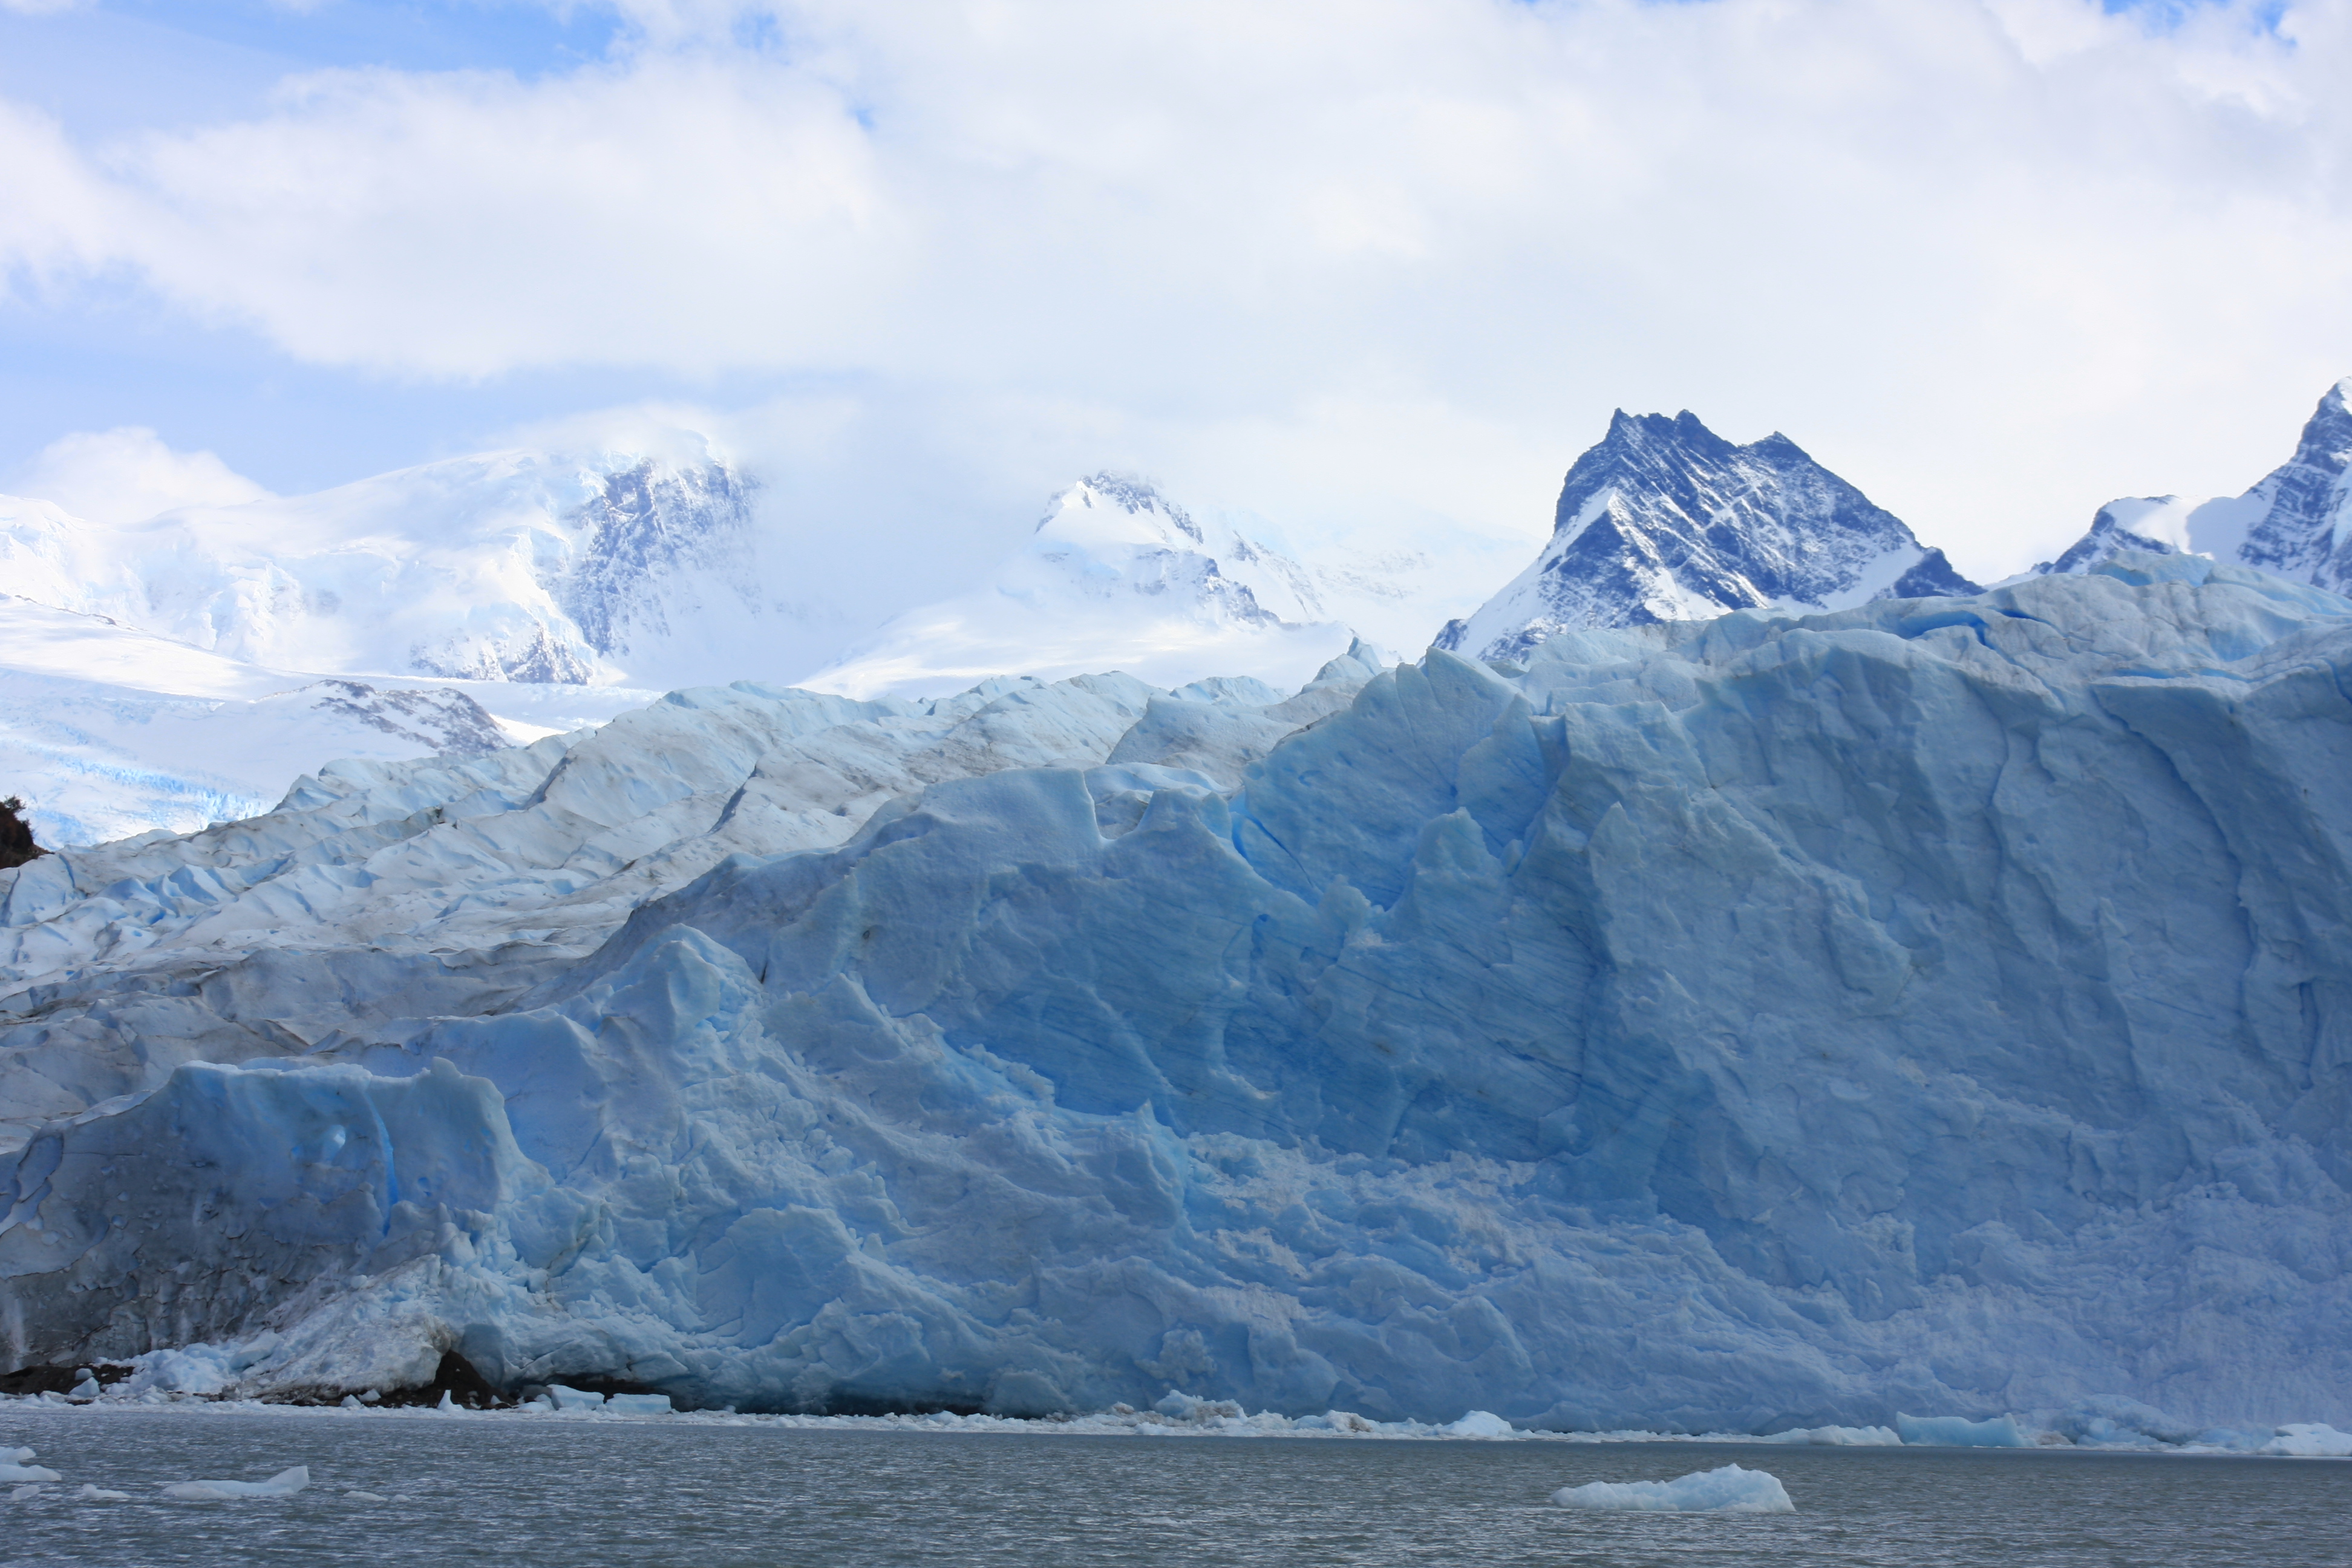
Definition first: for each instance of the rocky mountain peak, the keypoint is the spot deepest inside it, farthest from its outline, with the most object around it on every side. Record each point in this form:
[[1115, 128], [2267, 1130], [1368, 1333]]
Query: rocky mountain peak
[[1664, 519]]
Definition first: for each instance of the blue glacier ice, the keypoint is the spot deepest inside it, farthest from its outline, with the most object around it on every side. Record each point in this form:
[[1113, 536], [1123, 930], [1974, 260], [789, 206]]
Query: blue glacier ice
[[1939, 1007]]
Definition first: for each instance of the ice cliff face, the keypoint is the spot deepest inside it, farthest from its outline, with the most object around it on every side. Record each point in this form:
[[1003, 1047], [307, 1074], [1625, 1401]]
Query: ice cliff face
[[1116, 575], [1665, 521], [1783, 1020], [2297, 523]]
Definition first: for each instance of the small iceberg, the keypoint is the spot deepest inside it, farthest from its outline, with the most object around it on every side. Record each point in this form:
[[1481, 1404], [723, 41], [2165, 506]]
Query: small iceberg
[[285, 1483], [16, 1465], [1730, 1490], [2309, 1440], [638, 1404], [1480, 1424], [1840, 1436], [99, 1494]]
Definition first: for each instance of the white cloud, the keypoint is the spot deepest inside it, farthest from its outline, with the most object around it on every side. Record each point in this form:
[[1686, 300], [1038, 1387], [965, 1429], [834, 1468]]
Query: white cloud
[[1340, 259], [128, 475]]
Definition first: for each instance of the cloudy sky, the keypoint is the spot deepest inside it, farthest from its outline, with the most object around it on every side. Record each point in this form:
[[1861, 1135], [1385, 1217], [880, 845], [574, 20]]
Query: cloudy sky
[[1377, 268]]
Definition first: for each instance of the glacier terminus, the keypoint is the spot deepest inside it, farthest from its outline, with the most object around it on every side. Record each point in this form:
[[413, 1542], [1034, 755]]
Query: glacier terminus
[[1935, 1004]]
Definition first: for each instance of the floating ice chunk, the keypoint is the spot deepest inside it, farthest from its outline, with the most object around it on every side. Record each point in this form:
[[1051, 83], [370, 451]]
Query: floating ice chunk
[[99, 1494], [355, 1495], [24, 1494], [573, 1399], [15, 1465], [285, 1483], [1959, 1432], [1840, 1436], [1730, 1490], [1479, 1423], [2309, 1440], [638, 1404]]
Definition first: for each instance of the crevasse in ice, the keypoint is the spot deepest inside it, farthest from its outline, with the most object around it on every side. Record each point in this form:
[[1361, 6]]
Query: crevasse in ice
[[1940, 1006]]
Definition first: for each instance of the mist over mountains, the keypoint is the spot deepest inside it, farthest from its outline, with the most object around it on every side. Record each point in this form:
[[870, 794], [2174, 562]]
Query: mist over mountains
[[536, 591]]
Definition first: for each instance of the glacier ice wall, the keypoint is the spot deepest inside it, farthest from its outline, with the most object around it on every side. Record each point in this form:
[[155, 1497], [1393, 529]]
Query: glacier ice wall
[[1941, 1005]]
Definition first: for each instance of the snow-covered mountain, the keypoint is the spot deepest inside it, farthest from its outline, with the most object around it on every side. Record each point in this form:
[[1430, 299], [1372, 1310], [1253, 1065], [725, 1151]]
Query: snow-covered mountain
[[188, 667], [1750, 1025], [2297, 523], [1117, 576], [616, 568], [1665, 521], [554, 589]]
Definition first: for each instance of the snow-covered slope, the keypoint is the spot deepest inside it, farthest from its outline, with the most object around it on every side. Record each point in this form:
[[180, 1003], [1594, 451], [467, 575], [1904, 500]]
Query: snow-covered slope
[[612, 568], [1117, 576], [1665, 521], [1780, 1021], [2297, 523], [110, 731]]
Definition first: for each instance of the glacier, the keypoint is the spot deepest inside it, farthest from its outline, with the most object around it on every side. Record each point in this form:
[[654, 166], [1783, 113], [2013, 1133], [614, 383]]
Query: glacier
[[1934, 1006]]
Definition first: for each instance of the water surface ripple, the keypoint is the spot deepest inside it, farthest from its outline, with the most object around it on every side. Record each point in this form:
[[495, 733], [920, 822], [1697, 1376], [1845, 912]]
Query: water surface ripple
[[523, 1492]]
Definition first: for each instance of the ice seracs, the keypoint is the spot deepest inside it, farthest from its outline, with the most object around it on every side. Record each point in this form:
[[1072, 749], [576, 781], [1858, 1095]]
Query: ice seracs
[[1745, 1026], [1665, 521]]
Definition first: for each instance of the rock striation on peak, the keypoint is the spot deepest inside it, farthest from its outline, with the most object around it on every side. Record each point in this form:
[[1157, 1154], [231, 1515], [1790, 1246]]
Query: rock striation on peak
[[1664, 519]]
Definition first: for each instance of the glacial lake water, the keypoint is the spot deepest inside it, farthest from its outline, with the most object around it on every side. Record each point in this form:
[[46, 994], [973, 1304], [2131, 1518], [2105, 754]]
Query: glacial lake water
[[520, 1491]]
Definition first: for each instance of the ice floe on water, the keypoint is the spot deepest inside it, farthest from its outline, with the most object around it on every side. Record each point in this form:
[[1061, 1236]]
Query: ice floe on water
[[2309, 1440], [285, 1483], [16, 1465], [1730, 1489]]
